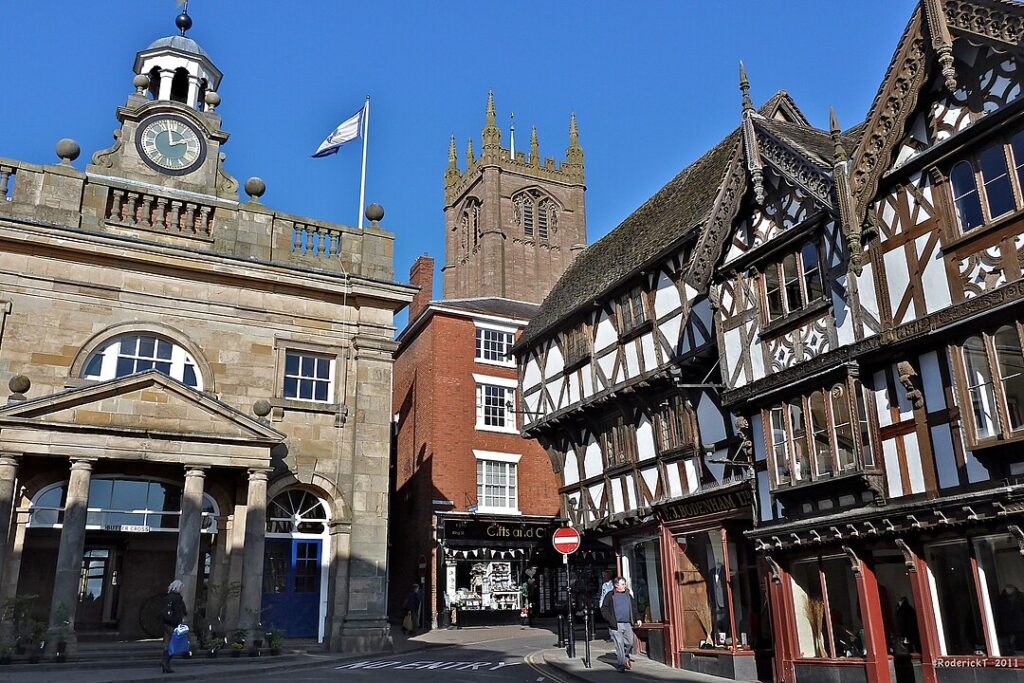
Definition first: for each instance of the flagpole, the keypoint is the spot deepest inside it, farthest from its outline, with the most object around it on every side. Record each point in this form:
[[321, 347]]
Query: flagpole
[[362, 175]]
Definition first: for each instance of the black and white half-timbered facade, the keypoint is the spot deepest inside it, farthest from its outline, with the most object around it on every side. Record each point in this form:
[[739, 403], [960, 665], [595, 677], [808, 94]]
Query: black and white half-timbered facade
[[791, 385]]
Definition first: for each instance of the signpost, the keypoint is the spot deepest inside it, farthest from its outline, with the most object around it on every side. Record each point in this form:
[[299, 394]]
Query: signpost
[[567, 541]]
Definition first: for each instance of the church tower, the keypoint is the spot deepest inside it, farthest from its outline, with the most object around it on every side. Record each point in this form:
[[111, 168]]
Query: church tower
[[513, 223]]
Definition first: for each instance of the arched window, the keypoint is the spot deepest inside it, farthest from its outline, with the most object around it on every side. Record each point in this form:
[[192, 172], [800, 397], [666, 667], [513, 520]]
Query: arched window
[[179, 85], [527, 216], [154, 82], [201, 99], [132, 353], [471, 224], [115, 504], [296, 512]]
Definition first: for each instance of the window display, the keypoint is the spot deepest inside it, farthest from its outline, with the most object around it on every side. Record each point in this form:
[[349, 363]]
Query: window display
[[486, 585], [827, 609], [641, 565]]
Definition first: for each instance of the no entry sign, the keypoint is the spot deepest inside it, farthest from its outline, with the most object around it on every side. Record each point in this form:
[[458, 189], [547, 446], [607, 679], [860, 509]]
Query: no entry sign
[[566, 540]]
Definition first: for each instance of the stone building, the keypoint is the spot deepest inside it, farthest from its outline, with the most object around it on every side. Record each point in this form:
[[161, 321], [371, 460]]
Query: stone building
[[200, 384], [855, 304], [474, 501]]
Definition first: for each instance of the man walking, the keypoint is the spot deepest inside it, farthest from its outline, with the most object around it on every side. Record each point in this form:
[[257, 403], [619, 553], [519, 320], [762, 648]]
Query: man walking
[[619, 610]]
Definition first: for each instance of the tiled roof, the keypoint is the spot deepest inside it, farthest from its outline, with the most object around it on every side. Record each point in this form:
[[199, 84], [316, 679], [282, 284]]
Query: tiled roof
[[507, 308]]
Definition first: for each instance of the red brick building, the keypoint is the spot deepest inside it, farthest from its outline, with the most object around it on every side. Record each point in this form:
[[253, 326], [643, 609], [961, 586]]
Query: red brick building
[[473, 503]]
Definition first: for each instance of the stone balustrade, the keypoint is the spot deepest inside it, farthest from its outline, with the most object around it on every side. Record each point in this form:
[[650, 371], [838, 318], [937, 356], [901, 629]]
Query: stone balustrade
[[61, 195], [7, 174], [144, 211], [325, 246]]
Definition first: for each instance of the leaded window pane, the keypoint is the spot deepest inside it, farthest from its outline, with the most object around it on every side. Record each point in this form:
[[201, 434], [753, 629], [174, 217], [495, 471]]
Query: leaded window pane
[[843, 429], [773, 292], [801, 459], [1011, 372], [997, 181], [965, 196], [822, 440], [812, 273], [980, 387], [791, 279]]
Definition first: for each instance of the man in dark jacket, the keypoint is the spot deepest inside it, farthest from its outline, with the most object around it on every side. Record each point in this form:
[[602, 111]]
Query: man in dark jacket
[[619, 610]]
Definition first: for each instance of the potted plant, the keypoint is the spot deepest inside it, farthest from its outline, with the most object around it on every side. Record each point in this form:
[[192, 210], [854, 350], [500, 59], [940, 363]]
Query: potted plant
[[36, 641], [238, 642], [275, 639], [61, 633], [16, 626]]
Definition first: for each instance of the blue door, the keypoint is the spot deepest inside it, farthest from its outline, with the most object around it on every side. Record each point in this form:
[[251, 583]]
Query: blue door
[[291, 586]]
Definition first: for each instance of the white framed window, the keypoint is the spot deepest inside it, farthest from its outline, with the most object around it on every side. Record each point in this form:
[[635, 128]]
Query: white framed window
[[497, 482], [308, 376], [494, 345], [495, 404], [132, 353]]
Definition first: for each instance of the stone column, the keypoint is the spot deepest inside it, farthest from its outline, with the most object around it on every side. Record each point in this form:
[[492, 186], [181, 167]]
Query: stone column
[[166, 77], [69, 556], [252, 563], [8, 479], [364, 626], [189, 528]]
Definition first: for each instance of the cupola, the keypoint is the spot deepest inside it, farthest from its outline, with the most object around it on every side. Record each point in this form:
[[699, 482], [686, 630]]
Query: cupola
[[178, 69]]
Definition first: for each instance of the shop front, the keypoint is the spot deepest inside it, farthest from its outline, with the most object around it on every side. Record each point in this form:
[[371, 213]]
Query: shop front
[[923, 602], [496, 569], [716, 619]]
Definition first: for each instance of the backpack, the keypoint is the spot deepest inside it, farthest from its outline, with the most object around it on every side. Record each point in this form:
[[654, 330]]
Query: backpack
[[171, 613]]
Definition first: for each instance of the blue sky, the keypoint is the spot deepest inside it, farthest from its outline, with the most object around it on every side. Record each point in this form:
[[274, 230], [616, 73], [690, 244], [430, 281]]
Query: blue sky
[[653, 84]]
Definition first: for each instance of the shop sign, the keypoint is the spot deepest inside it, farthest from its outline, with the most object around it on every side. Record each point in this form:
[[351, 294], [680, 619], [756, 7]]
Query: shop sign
[[726, 502], [129, 528], [481, 530]]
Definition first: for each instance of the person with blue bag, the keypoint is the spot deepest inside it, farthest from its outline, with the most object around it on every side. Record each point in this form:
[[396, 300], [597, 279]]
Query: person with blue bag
[[172, 614]]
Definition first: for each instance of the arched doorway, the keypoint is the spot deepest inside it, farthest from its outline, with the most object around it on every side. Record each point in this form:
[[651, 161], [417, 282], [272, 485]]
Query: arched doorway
[[295, 564]]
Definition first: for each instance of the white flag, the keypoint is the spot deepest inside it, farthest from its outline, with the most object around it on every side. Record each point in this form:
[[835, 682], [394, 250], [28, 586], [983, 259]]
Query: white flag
[[347, 130]]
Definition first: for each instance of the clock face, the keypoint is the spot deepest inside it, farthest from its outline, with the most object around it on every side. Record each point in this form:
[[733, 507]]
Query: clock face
[[170, 144]]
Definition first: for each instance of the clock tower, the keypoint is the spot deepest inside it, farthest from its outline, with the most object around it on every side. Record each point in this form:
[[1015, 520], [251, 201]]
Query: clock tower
[[170, 131]]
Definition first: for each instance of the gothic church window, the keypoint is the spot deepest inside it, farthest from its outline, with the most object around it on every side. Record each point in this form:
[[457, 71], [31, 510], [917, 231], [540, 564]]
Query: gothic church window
[[535, 214], [470, 225], [132, 353]]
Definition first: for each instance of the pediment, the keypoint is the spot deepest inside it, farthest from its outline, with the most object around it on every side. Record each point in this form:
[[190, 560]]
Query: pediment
[[149, 403]]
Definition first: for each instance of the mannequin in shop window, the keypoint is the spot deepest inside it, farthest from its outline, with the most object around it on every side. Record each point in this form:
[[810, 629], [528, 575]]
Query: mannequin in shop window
[[906, 625], [1009, 616]]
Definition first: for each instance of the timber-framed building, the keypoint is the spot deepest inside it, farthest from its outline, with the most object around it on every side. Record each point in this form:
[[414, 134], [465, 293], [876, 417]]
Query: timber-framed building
[[864, 328]]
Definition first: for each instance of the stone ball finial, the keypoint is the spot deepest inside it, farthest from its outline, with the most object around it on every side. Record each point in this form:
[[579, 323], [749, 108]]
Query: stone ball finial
[[19, 385], [212, 99], [141, 82], [255, 187], [261, 407], [183, 21], [68, 150], [374, 212]]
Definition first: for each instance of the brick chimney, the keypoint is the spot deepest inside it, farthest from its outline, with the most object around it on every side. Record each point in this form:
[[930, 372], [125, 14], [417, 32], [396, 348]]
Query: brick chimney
[[422, 275]]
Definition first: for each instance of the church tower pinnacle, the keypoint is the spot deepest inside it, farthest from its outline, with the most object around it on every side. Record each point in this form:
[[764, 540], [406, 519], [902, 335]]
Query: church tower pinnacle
[[513, 222]]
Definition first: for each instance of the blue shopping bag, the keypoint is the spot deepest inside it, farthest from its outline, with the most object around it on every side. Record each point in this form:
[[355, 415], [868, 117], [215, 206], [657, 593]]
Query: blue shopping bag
[[179, 641]]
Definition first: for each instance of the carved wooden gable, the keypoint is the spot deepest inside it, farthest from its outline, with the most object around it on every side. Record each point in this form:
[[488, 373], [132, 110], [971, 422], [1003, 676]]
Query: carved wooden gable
[[988, 78], [785, 206]]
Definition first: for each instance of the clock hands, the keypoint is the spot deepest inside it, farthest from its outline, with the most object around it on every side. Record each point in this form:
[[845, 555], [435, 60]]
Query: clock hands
[[172, 143]]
